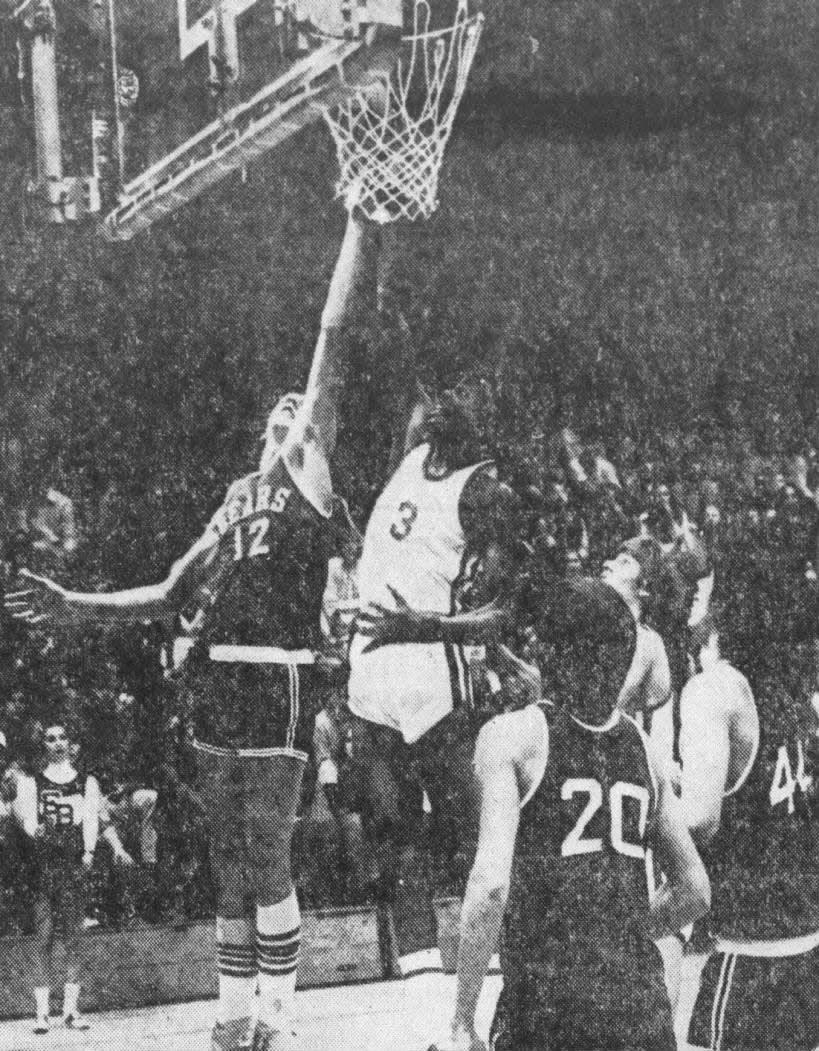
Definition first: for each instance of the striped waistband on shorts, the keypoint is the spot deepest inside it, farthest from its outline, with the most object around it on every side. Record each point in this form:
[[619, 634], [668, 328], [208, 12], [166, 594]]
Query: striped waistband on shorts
[[235, 654]]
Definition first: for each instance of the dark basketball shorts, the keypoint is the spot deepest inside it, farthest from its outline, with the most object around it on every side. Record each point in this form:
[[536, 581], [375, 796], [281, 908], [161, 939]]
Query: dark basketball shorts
[[253, 731], [759, 996], [571, 1001], [252, 696]]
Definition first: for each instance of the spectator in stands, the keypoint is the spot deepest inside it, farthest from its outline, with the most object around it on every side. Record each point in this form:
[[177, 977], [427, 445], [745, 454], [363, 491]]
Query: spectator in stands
[[334, 831], [340, 602], [8, 789], [53, 529]]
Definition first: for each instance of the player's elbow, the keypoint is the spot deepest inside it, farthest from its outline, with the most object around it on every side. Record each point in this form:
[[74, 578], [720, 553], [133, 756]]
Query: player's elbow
[[703, 828], [488, 888]]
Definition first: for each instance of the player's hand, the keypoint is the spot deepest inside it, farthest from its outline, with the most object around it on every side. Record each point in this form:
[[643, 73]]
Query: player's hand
[[40, 602], [401, 624]]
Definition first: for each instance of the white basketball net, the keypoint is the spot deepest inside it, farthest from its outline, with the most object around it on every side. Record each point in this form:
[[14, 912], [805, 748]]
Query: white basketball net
[[390, 149]]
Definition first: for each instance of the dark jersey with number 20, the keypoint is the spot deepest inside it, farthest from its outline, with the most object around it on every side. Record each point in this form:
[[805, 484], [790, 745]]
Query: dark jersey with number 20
[[579, 974]]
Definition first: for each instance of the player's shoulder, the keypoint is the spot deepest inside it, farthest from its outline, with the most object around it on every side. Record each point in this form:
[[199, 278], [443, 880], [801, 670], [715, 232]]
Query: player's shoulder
[[512, 737], [716, 690]]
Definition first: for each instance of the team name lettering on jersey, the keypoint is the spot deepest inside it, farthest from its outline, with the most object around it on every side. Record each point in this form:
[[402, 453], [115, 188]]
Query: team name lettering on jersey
[[247, 504]]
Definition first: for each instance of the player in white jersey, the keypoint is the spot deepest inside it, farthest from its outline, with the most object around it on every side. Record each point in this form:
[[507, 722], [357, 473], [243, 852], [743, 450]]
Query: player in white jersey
[[439, 517]]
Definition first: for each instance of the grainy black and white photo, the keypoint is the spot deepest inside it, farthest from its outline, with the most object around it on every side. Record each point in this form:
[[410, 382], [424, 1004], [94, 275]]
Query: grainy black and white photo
[[409, 525]]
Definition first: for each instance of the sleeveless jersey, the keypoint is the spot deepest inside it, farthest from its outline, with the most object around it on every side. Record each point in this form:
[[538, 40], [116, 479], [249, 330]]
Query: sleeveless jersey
[[60, 809], [764, 860], [415, 544], [260, 583], [578, 971], [414, 541]]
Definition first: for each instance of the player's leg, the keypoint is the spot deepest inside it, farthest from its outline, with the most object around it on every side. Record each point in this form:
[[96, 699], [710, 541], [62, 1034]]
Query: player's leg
[[220, 778], [72, 908], [446, 761], [273, 790], [43, 917], [143, 801], [391, 800]]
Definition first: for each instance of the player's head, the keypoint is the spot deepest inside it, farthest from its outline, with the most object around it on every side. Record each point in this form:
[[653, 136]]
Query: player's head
[[278, 427], [634, 570], [588, 638], [56, 742], [452, 430]]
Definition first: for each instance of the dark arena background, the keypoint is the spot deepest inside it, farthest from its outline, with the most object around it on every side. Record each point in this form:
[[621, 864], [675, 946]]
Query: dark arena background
[[627, 245]]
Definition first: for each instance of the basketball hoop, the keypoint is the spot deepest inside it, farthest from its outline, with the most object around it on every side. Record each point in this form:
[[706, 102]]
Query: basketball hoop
[[390, 140]]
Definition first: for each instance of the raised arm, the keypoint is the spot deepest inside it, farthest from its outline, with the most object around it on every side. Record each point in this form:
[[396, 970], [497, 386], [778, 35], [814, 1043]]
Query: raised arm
[[328, 368]]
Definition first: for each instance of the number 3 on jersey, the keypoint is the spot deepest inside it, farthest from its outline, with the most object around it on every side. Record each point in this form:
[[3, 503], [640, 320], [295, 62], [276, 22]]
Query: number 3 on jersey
[[404, 519], [576, 843]]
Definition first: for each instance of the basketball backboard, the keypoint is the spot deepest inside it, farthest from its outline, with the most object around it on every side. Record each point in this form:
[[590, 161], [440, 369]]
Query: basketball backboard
[[202, 87]]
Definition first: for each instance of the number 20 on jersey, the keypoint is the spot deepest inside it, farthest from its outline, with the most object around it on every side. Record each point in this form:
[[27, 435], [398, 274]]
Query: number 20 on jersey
[[591, 791]]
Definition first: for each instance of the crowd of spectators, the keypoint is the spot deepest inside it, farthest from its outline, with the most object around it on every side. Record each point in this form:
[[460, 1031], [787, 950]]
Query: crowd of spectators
[[724, 517]]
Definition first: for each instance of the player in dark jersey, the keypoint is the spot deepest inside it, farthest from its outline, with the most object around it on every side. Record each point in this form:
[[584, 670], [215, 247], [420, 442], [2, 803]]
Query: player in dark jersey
[[749, 789], [59, 809], [572, 806], [247, 599]]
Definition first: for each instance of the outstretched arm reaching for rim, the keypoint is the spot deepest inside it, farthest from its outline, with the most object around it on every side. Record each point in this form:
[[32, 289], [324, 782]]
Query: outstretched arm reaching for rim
[[328, 368]]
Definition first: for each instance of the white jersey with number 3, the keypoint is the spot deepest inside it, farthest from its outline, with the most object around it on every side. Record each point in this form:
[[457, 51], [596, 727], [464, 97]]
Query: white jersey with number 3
[[415, 544]]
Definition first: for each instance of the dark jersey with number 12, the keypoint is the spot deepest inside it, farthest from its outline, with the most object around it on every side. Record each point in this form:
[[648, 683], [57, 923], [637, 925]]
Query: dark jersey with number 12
[[259, 580], [578, 971]]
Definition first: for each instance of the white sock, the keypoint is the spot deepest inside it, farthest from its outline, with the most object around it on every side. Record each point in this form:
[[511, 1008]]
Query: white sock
[[70, 998], [278, 933], [426, 1009], [236, 956], [41, 995]]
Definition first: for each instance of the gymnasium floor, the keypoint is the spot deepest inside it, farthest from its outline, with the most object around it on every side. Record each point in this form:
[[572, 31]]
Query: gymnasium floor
[[343, 1018]]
